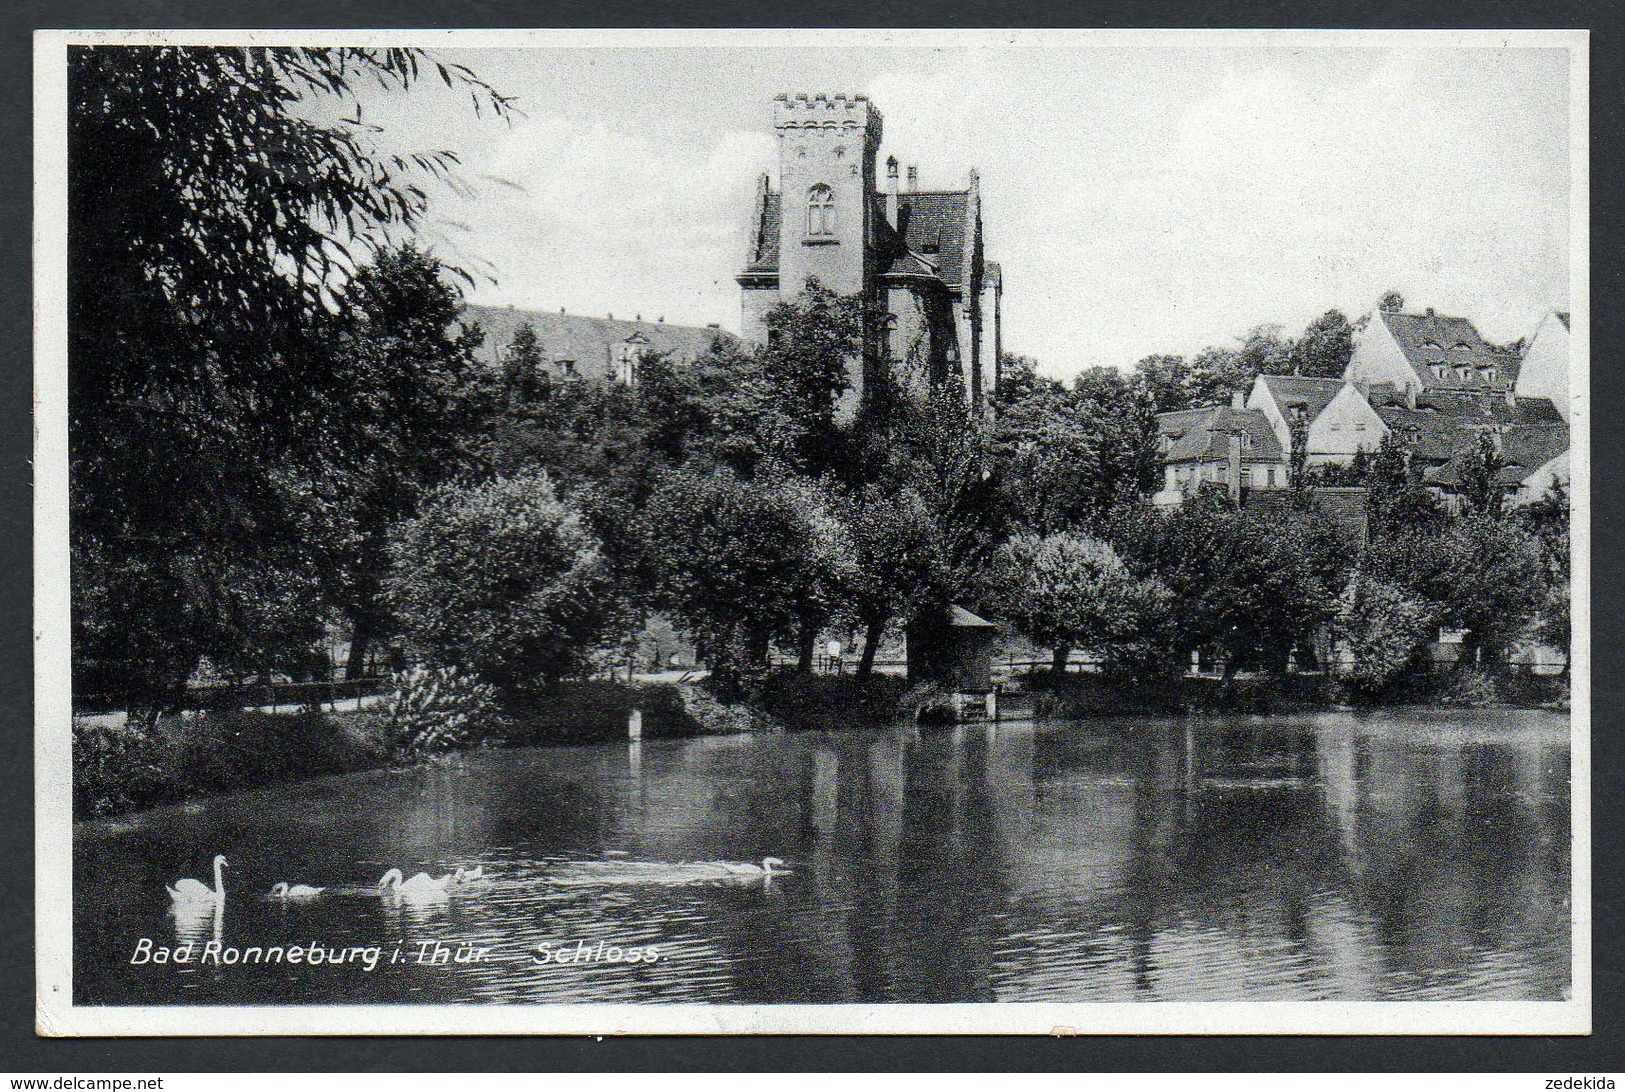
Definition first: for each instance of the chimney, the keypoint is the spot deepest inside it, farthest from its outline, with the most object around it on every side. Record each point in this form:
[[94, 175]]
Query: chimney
[[1238, 400], [1233, 467], [913, 179], [891, 190], [1410, 396]]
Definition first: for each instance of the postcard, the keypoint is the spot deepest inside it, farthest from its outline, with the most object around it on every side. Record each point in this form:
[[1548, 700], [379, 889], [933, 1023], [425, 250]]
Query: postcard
[[677, 532]]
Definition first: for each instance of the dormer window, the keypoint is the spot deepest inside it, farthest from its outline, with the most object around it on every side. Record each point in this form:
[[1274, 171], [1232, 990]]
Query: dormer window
[[820, 212], [1438, 371], [1464, 373], [1489, 375]]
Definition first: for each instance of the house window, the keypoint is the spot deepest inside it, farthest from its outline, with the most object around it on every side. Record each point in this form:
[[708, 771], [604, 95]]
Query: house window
[[1489, 375], [820, 211], [890, 347], [1464, 373], [567, 368], [1438, 371], [1269, 475], [1359, 426]]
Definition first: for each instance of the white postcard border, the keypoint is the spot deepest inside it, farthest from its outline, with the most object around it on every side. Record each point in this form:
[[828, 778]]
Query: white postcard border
[[56, 1015]]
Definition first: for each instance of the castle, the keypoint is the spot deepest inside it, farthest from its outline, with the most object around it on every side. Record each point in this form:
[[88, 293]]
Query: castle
[[915, 255]]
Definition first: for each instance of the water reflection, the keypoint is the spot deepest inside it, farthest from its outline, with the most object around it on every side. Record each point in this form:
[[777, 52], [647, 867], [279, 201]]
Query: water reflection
[[1323, 857]]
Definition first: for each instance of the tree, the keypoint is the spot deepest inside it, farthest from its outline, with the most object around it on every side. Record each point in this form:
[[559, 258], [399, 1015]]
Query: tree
[[1253, 583], [744, 563], [1325, 347], [212, 225], [502, 578], [1062, 456], [1165, 381], [1065, 591], [1397, 499], [1485, 575], [1391, 303], [524, 368], [1480, 470], [415, 394], [895, 559], [1383, 627]]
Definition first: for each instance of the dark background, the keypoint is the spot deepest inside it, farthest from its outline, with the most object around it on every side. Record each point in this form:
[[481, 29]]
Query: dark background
[[23, 1053]]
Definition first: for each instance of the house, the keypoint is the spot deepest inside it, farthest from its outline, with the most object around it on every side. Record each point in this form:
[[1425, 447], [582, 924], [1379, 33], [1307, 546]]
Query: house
[[588, 347], [1544, 371], [1340, 421], [1229, 445], [915, 255], [1428, 352], [1441, 428]]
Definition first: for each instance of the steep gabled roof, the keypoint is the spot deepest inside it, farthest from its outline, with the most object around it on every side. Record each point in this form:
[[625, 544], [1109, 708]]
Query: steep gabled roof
[[1294, 390], [1202, 435], [934, 226], [1430, 341]]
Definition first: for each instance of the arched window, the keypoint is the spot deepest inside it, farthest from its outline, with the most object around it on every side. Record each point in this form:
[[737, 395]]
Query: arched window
[[821, 210], [890, 346]]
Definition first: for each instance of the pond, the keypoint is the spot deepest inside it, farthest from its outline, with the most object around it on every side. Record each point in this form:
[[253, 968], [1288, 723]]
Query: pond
[[1415, 854]]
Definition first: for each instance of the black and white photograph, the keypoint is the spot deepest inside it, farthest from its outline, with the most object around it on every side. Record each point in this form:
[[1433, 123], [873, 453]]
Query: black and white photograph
[[812, 532]]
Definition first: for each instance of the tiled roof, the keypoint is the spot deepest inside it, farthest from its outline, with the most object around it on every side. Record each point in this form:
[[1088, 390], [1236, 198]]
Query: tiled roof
[[589, 341], [1430, 341], [1312, 394], [1524, 450], [1202, 435], [934, 226]]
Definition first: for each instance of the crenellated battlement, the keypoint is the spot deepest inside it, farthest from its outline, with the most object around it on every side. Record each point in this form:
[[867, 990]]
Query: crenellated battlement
[[821, 111]]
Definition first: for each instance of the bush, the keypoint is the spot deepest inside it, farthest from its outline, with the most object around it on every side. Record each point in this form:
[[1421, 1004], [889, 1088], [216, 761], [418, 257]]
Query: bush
[[115, 768], [435, 709]]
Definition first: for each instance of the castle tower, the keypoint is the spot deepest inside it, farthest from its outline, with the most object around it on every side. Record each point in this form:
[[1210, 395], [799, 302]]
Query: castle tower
[[827, 150]]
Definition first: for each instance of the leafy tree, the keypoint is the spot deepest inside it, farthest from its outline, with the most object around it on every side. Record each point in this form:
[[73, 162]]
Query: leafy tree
[[1065, 591], [503, 578], [415, 394], [524, 368], [1252, 583], [1165, 381], [1061, 456], [813, 342], [212, 224], [744, 563], [1384, 627], [1485, 575], [1325, 347], [1392, 302], [1397, 499], [895, 559], [1480, 469]]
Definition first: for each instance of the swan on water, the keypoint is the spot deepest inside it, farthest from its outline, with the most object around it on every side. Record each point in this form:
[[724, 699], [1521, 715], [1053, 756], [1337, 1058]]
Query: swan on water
[[190, 890], [420, 886], [468, 875], [295, 891], [583, 873]]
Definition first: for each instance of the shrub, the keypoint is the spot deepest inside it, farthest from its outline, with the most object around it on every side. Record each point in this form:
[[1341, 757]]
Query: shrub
[[435, 709], [115, 768]]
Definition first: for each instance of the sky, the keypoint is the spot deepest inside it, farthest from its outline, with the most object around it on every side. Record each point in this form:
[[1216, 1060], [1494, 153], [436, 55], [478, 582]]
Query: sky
[[1140, 200]]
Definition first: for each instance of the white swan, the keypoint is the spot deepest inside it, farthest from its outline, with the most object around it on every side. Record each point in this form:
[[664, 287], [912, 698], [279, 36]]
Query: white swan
[[583, 873], [295, 891], [420, 886], [190, 890], [468, 875]]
